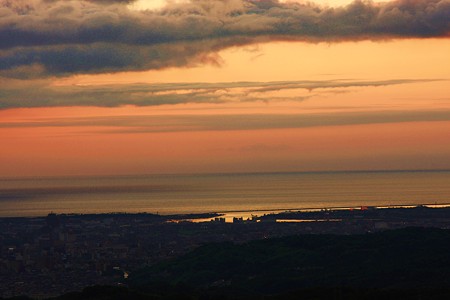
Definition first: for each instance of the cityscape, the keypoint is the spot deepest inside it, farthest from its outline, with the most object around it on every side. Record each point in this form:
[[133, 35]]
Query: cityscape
[[49, 256]]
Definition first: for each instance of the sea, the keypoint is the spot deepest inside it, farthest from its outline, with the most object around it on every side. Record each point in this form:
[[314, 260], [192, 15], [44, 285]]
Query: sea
[[232, 194]]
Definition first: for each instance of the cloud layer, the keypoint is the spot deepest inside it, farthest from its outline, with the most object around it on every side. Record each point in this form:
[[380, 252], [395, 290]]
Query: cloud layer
[[19, 93], [181, 123], [62, 37]]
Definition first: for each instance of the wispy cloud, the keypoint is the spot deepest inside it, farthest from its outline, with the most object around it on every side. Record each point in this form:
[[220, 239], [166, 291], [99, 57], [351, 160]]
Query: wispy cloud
[[60, 37], [19, 93], [179, 123]]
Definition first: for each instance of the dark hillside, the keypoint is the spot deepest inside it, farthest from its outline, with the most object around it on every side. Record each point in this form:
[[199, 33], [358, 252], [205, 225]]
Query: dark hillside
[[399, 259]]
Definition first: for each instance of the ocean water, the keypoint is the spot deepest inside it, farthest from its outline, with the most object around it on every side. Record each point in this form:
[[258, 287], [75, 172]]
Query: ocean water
[[175, 194]]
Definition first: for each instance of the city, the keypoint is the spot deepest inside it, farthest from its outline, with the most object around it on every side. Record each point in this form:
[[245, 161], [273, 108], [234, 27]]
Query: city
[[53, 255]]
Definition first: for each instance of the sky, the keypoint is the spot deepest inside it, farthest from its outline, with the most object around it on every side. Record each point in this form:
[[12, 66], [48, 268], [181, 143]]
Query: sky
[[115, 87]]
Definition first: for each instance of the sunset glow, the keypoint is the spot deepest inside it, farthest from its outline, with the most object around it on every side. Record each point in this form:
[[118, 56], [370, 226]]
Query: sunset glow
[[357, 98]]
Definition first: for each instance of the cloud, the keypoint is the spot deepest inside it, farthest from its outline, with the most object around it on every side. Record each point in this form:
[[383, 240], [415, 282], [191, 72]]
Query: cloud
[[61, 37], [181, 123], [40, 93]]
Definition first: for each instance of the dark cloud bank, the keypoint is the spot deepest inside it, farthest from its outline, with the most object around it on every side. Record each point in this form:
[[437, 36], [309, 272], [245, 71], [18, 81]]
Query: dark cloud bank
[[63, 37]]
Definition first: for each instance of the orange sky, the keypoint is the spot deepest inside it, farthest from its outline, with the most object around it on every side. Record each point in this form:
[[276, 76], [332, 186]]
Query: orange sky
[[393, 112], [74, 151]]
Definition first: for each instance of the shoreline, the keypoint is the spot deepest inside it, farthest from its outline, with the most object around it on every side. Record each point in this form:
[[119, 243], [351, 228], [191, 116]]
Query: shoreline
[[244, 214]]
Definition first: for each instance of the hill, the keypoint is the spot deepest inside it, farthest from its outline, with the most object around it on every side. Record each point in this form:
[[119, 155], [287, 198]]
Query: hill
[[411, 258]]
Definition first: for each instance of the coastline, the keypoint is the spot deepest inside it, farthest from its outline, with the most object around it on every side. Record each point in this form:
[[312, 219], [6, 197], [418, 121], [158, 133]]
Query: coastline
[[239, 215]]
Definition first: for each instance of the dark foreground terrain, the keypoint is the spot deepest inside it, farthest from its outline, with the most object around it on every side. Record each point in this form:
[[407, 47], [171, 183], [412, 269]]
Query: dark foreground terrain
[[411, 263]]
